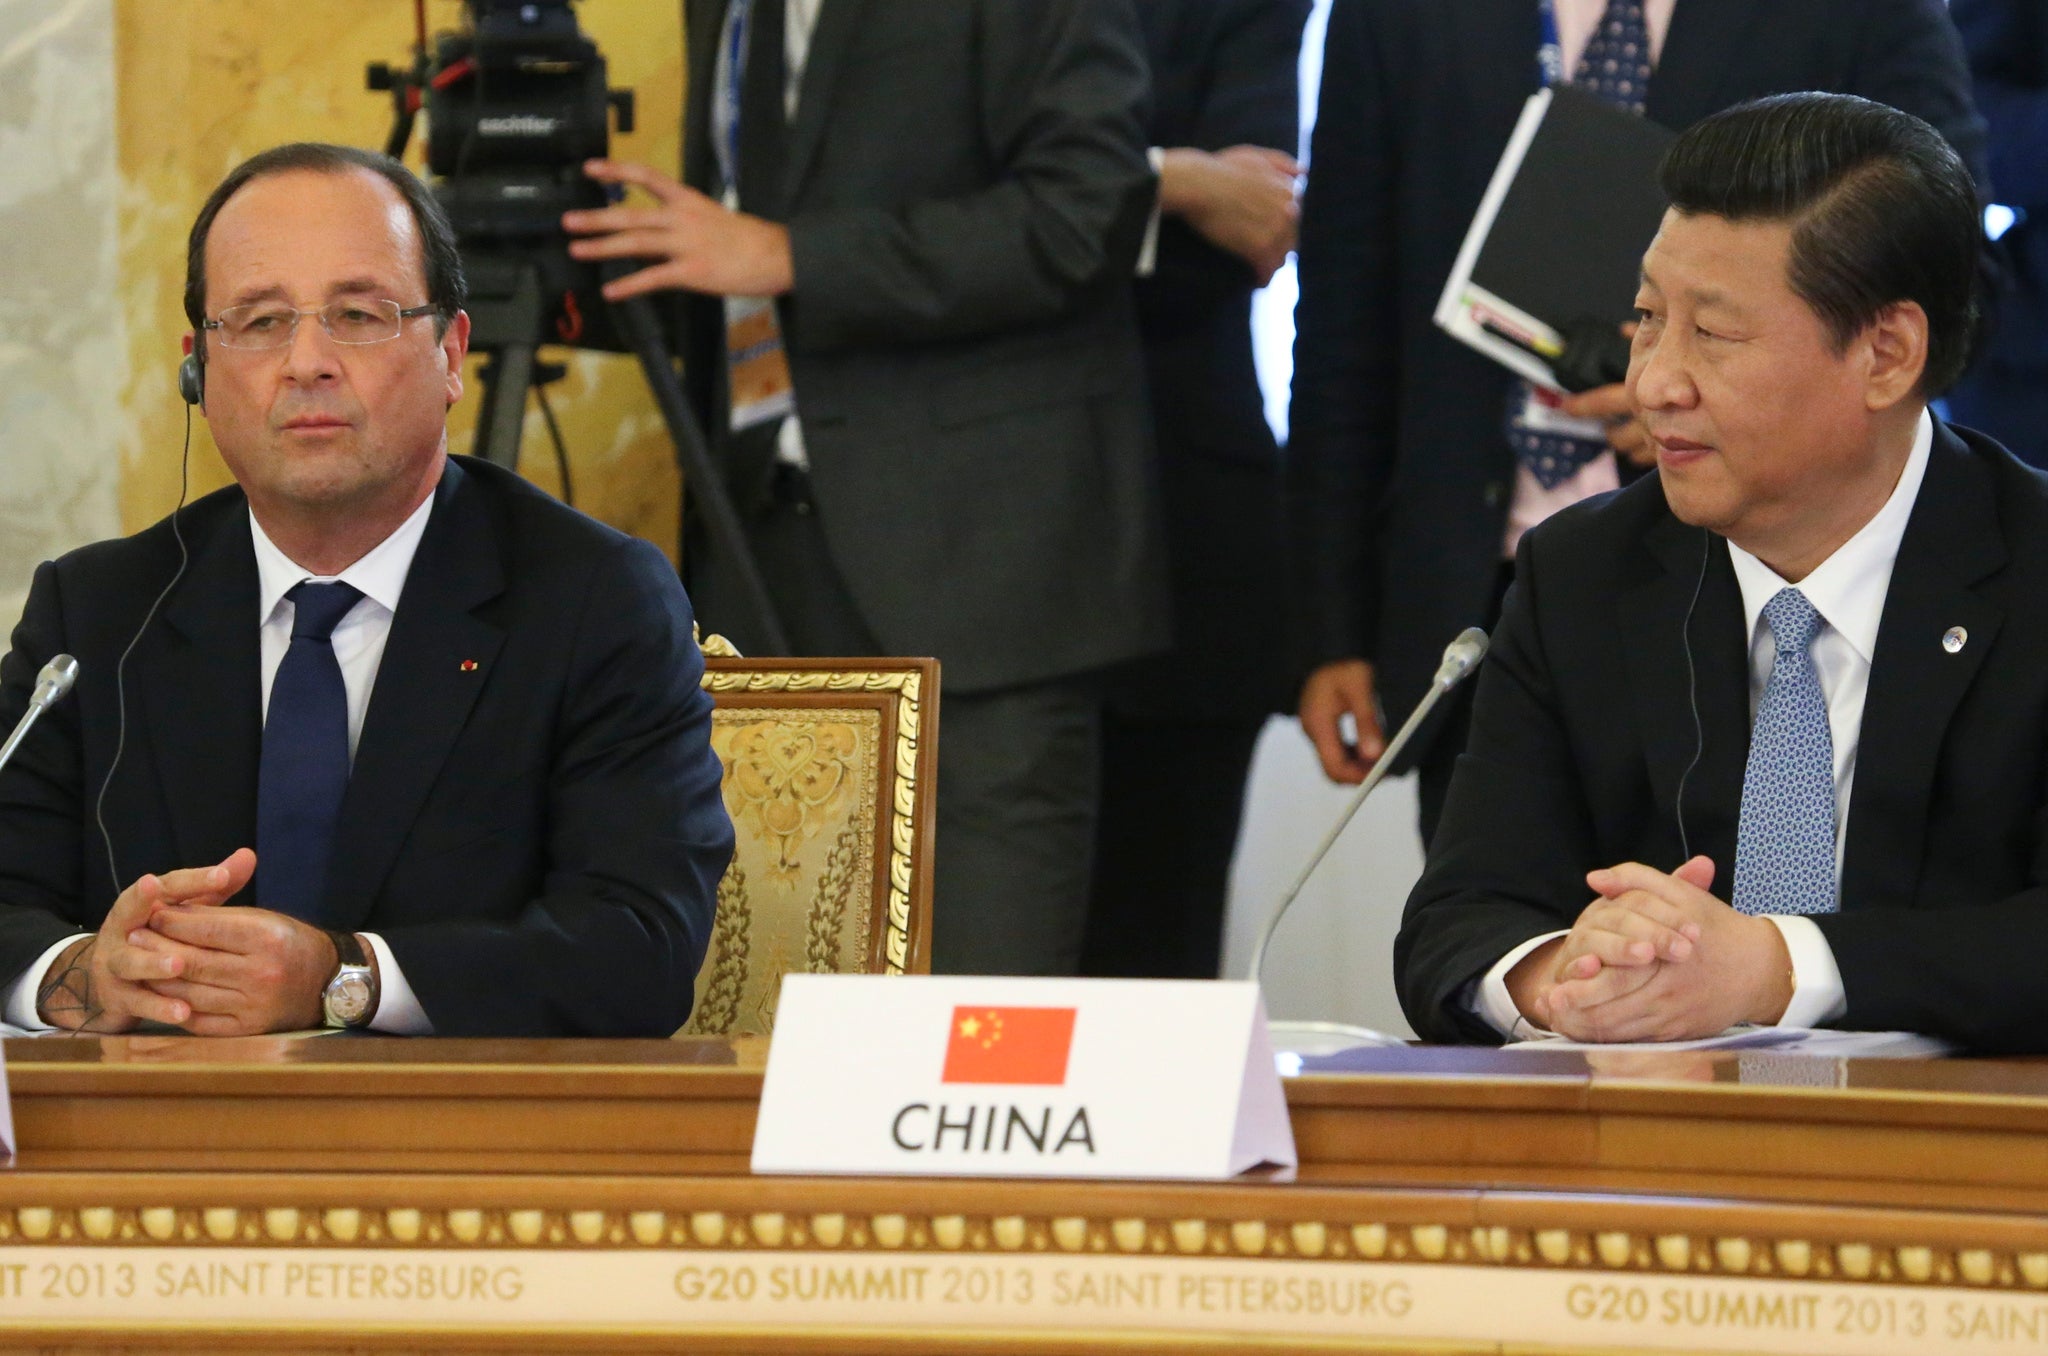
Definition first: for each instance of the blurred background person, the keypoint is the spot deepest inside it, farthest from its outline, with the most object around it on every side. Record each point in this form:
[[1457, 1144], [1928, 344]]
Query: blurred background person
[[1415, 463], [907, 233], [2005, 392], [1179, 727]]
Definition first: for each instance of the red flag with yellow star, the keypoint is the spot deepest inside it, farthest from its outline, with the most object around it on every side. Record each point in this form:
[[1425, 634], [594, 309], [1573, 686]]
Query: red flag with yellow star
[[1009, 1045]]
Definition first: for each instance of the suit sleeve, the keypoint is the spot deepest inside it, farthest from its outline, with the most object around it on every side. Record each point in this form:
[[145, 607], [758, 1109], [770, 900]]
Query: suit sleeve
[[1346, 361], [2007, 43], [1509, 858], [1252, 98], [41, 793], [1063, 90], [637, 842]]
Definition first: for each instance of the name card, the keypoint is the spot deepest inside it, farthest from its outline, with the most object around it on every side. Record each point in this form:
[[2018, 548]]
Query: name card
[[998, 1077]]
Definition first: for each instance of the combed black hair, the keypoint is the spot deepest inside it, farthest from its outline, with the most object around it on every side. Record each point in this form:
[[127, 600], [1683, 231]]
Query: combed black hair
[[1882, 210], [446, 288]]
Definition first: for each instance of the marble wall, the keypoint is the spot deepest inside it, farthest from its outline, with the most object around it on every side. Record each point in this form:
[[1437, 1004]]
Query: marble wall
[[64, 352], [116, 119]]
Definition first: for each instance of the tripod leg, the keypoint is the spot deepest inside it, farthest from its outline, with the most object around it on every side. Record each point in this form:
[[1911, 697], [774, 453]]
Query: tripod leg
[[502, 418], [642, 329]]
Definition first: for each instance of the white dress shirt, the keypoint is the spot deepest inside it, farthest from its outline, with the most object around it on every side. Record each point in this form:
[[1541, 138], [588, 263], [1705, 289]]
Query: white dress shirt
[[1848, 590], [358, 641]]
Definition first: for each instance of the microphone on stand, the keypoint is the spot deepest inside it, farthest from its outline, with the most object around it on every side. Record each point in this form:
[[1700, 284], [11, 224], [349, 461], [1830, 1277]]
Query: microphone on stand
[[51, 684], [1461, 656]]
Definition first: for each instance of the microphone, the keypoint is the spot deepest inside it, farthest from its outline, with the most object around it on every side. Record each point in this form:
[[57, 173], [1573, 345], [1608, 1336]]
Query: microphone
[[1461, 656], [51, 684]]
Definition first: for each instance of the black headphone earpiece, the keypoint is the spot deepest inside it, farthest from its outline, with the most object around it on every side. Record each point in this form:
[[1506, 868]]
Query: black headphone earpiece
[[192, 380]]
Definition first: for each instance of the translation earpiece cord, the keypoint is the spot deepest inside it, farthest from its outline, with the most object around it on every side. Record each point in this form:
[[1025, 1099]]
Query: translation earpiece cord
[[121, 665]]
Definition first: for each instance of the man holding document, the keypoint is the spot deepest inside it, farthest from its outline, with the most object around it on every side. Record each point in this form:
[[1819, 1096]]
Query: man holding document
[[1762, 738]]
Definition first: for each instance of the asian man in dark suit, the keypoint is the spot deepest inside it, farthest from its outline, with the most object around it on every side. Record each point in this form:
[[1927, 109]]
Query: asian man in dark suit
[[458, 723], [1762, 738], [1405, 488], [903, 246]]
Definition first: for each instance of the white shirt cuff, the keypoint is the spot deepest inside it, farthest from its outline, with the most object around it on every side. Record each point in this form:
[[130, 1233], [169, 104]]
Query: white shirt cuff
[[398, 1011], [1491, 1003], [20, 1009], [1817, 996], [1148, 253]]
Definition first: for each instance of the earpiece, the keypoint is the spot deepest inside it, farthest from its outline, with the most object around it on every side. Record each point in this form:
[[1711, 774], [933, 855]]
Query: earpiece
[[192, 380], [1692, 691]]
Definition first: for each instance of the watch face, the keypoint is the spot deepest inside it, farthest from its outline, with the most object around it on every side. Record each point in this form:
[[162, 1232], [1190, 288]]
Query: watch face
[[348, 997]]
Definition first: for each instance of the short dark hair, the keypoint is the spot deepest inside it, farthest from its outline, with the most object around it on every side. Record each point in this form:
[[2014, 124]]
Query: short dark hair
[[1882, 210], [446, 289]]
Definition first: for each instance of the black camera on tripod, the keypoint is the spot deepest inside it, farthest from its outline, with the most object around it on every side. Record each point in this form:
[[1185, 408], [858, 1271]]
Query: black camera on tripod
[[515, 104]]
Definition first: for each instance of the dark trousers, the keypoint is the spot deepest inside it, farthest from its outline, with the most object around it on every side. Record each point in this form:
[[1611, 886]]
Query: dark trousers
[[1172, 798], [1018, 767]]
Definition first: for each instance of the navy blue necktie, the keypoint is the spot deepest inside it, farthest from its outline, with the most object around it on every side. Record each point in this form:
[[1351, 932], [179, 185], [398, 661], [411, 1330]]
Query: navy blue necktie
[[1785, 842], [1615, 66], [304, 769]]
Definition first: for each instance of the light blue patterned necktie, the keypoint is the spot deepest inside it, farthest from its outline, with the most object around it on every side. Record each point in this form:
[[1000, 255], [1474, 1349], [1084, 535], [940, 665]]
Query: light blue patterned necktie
[[1785, 846]]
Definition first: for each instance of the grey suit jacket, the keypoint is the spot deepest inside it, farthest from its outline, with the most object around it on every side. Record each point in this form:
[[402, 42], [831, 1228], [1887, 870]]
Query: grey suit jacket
[[967, 189]]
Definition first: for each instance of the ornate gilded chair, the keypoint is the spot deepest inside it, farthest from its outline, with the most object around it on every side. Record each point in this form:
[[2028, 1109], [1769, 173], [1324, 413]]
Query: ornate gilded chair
[[829, 765]]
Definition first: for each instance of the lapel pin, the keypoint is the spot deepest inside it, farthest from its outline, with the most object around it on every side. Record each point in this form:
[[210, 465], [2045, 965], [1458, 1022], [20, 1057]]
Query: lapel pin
[[469, 665], [1954, 639]]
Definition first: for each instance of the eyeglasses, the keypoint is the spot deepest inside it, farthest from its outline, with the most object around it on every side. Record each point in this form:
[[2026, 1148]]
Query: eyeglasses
[[269, 324]]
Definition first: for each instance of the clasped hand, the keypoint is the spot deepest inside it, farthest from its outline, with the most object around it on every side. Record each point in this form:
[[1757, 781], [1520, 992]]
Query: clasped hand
[[1655, 957], [173, 951]]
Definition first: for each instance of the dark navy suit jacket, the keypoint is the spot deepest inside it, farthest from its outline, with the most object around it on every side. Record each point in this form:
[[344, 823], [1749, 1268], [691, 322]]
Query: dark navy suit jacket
[[533, 820], [1583, 731]]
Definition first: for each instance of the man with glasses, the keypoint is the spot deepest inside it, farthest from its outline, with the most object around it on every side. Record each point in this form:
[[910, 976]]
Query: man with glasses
[[369, 738]]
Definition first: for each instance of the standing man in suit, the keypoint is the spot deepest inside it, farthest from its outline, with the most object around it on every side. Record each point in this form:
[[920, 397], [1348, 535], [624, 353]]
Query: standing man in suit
[[906, 235], [1415, 463], [1179, 728], [1780, 712], [458, 723], [2005, 392]]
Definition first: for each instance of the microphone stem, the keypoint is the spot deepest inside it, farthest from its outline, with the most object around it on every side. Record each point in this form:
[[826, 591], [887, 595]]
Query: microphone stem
[[21, 729], [1372, 780]]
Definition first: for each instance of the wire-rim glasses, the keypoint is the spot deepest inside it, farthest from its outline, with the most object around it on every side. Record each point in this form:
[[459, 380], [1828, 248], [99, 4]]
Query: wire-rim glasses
[[271, 324]]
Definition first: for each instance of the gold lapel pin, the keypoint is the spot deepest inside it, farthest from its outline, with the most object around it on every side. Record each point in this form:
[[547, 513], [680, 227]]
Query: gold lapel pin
[[1954, 639], [469, 665]]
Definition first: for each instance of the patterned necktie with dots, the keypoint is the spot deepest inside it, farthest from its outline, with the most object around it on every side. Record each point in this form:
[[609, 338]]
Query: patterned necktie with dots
[[1615, 67], [1785, 843]]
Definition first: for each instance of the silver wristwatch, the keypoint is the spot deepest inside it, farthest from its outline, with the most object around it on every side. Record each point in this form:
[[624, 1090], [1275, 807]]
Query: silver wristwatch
[[350, 999]]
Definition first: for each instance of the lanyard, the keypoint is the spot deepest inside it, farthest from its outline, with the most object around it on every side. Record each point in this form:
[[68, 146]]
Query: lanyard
[[1550, 52], [735, 77]]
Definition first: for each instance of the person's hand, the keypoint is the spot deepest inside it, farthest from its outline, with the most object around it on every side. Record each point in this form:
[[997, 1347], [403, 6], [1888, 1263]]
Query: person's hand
[[1739, 969], [1343, 687], [106, 983], [1610, 404], [241, 971], [1636, 927], [695, 242], [1241, 199]]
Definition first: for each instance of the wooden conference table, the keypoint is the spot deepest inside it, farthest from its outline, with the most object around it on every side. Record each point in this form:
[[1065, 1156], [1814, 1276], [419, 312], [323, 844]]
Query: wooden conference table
[[367, 1194]]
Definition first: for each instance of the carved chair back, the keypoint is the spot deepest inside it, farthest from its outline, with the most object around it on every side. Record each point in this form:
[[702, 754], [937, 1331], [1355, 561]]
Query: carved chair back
[[829, 769]]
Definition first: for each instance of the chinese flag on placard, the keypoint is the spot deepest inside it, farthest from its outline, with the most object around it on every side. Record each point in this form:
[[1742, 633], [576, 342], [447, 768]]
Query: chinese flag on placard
[[1009, 1045]]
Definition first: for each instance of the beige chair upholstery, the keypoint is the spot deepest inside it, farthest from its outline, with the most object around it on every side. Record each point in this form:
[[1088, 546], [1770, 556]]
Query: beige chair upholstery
[[829, 765]]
